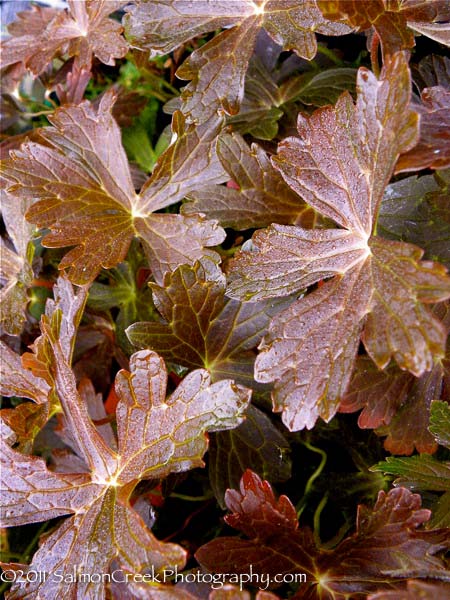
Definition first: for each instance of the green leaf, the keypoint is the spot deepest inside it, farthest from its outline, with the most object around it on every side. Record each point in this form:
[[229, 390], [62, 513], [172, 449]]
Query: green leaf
[[440, 422], [421, 472]]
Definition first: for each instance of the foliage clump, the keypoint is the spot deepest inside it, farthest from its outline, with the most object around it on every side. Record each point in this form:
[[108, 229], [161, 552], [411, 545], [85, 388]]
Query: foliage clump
[[212, 213]]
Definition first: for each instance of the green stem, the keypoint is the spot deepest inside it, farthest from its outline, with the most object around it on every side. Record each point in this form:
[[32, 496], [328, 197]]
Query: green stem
[[316, 520], [191, 498], [330, 54]]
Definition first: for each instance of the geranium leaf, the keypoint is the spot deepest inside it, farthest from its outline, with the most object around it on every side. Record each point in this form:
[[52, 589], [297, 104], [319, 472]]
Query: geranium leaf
[[386, 546], [409, 427], [396, 402], [440, 32], [378, 393], [414, 589], [433, 149], [421, 472], [416, 210], [100, 496], [85, 195], [262, 198], [217, 83], [440, 422], [163, 25], [16, 272], [340, 165], [256, 443], [392, 21], [18, 381], [201, 327], [82, 31]]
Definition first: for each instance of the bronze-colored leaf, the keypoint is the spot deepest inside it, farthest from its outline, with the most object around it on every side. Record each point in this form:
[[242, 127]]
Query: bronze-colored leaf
[[262, 198], [217, 81], [388, 544], [433, 149], [85, 196], [156, 436], [340, 165], [201, 327], [82, 30], [393, 21]]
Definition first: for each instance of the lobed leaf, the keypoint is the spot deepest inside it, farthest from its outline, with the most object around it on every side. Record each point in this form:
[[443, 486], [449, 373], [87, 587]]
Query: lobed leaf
[[16, 274], [82, 184], [392, 21], [397, 403], [156, 436], [340, 165], [262, 198], [433, 148], [201, 327], [422, 472], [83, 30], [218, 82], [387, 545]]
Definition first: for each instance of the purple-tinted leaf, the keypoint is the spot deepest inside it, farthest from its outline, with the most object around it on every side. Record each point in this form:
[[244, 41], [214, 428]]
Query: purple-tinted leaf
[[340, 165], [433, 149], [378, 393], [82, 31], [388, 544], [262, 198], [392, 20], [201, 327], [86, 197], [218, 68], [156, 436], [18, 381]]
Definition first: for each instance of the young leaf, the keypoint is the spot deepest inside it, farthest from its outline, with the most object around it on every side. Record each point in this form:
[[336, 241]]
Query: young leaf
[[17, 381], [85, 195], [262, 198], [387, 545], [340, 165], [156, 436], [392, 21], [30, 375], [218, 82], [201, 327], [83, 30], [421, 472]]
